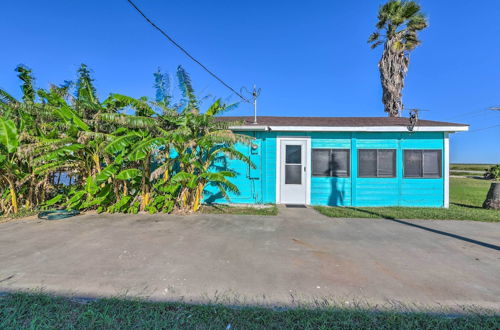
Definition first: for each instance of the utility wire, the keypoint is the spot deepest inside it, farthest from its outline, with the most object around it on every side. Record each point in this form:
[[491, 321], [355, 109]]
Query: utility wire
[[467, 114], [474, 113], [187, 53], [482, 129]]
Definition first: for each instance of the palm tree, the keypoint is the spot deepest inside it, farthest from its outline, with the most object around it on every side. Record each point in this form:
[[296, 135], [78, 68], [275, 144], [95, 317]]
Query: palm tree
[[399, 22]]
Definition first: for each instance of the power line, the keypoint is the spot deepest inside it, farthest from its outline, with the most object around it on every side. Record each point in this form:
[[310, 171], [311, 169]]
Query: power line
[[187, 53], [474, 113], [482, 129], [467, 114]]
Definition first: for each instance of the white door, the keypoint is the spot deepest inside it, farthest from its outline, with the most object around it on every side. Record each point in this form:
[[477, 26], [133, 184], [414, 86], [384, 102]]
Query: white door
[[293, 183]]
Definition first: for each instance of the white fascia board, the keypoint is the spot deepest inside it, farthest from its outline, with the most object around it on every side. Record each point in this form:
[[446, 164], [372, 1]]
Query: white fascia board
[[368, 128], [350, 128], [249, 128]]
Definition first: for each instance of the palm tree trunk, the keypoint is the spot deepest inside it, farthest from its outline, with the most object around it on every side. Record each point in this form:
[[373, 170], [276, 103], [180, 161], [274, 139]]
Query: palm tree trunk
[[493, 198], [393, 67]]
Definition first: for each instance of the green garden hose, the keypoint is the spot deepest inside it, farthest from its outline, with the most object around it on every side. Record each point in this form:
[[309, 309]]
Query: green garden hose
[[57, 214]]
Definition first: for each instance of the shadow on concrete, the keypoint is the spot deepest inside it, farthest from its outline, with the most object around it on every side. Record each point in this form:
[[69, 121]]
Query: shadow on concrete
[[440, 232]]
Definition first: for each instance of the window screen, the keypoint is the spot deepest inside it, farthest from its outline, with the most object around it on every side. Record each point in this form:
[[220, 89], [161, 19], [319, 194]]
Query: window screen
[[422, 163], [386, 166], [377, 163], [367, 163], [293, 174], [293, 164], [293, 154], [432, 163], [331, 162], [321, 162], [413, 163], [340, 162]]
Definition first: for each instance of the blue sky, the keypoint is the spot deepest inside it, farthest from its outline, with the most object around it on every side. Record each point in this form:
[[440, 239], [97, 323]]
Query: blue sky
[[309, 57]]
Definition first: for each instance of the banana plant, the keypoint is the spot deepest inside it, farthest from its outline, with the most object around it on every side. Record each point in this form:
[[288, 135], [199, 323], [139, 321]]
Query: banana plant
[[158, 159], [10, 173]]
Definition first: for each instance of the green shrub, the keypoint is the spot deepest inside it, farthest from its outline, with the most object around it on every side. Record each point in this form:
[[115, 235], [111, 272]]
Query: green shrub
[[493, 173]]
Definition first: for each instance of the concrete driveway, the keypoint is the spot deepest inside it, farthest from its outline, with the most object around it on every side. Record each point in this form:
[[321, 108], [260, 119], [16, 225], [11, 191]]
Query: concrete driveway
[[298, 255]]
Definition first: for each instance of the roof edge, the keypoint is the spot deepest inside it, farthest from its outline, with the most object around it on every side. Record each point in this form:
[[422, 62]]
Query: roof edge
[[461, 128]]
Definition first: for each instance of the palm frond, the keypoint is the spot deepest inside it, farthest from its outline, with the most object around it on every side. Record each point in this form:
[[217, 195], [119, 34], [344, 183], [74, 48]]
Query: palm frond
[[127, 120], [187, 89], [232, 153], [26, 76], [162, 86], [119, 101], [142, 148], [6, 98], [85, 90], [226, 136], [120, 143]]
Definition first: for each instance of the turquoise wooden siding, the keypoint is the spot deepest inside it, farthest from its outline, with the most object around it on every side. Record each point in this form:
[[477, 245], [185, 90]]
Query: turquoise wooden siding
[[329, 190], [268, 166], [375, 191], [259, 185], [421, 192]]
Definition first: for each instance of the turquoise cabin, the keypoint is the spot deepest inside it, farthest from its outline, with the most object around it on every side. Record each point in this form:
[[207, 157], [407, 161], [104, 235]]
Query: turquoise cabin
[[341, 161]]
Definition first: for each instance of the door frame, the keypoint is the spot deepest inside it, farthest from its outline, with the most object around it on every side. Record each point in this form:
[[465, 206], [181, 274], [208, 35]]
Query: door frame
[[307, 139]]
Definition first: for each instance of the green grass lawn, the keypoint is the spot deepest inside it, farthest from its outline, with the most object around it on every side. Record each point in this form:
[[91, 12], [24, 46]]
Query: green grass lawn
[[39, 311], [467, 174], [242, 210], [469, 170], [469, 167], [466, 199]]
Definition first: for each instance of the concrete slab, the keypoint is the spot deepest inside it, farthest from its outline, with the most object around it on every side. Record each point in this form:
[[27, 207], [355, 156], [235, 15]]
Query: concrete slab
[[299, 255]]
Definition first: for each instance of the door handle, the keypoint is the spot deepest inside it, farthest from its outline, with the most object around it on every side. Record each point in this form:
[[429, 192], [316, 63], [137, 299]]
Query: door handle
[[304, 168]]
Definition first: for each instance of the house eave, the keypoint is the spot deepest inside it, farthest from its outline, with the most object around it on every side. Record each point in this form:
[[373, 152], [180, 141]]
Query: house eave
[[449, 129], [249, 128]]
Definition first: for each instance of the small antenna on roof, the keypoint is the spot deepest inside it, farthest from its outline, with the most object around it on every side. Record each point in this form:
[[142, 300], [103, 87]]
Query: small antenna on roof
[[255, 94], [413, 118]]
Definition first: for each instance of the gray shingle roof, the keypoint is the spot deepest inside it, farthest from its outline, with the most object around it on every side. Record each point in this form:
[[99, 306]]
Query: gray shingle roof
[[333, 121]]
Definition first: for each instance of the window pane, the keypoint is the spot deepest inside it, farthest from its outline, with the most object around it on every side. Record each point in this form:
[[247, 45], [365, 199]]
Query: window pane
[[321, 162], [413, 163], [432, 163], [293, 154], [340, 162], [367, 163], [293, 174], [386, 163]]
